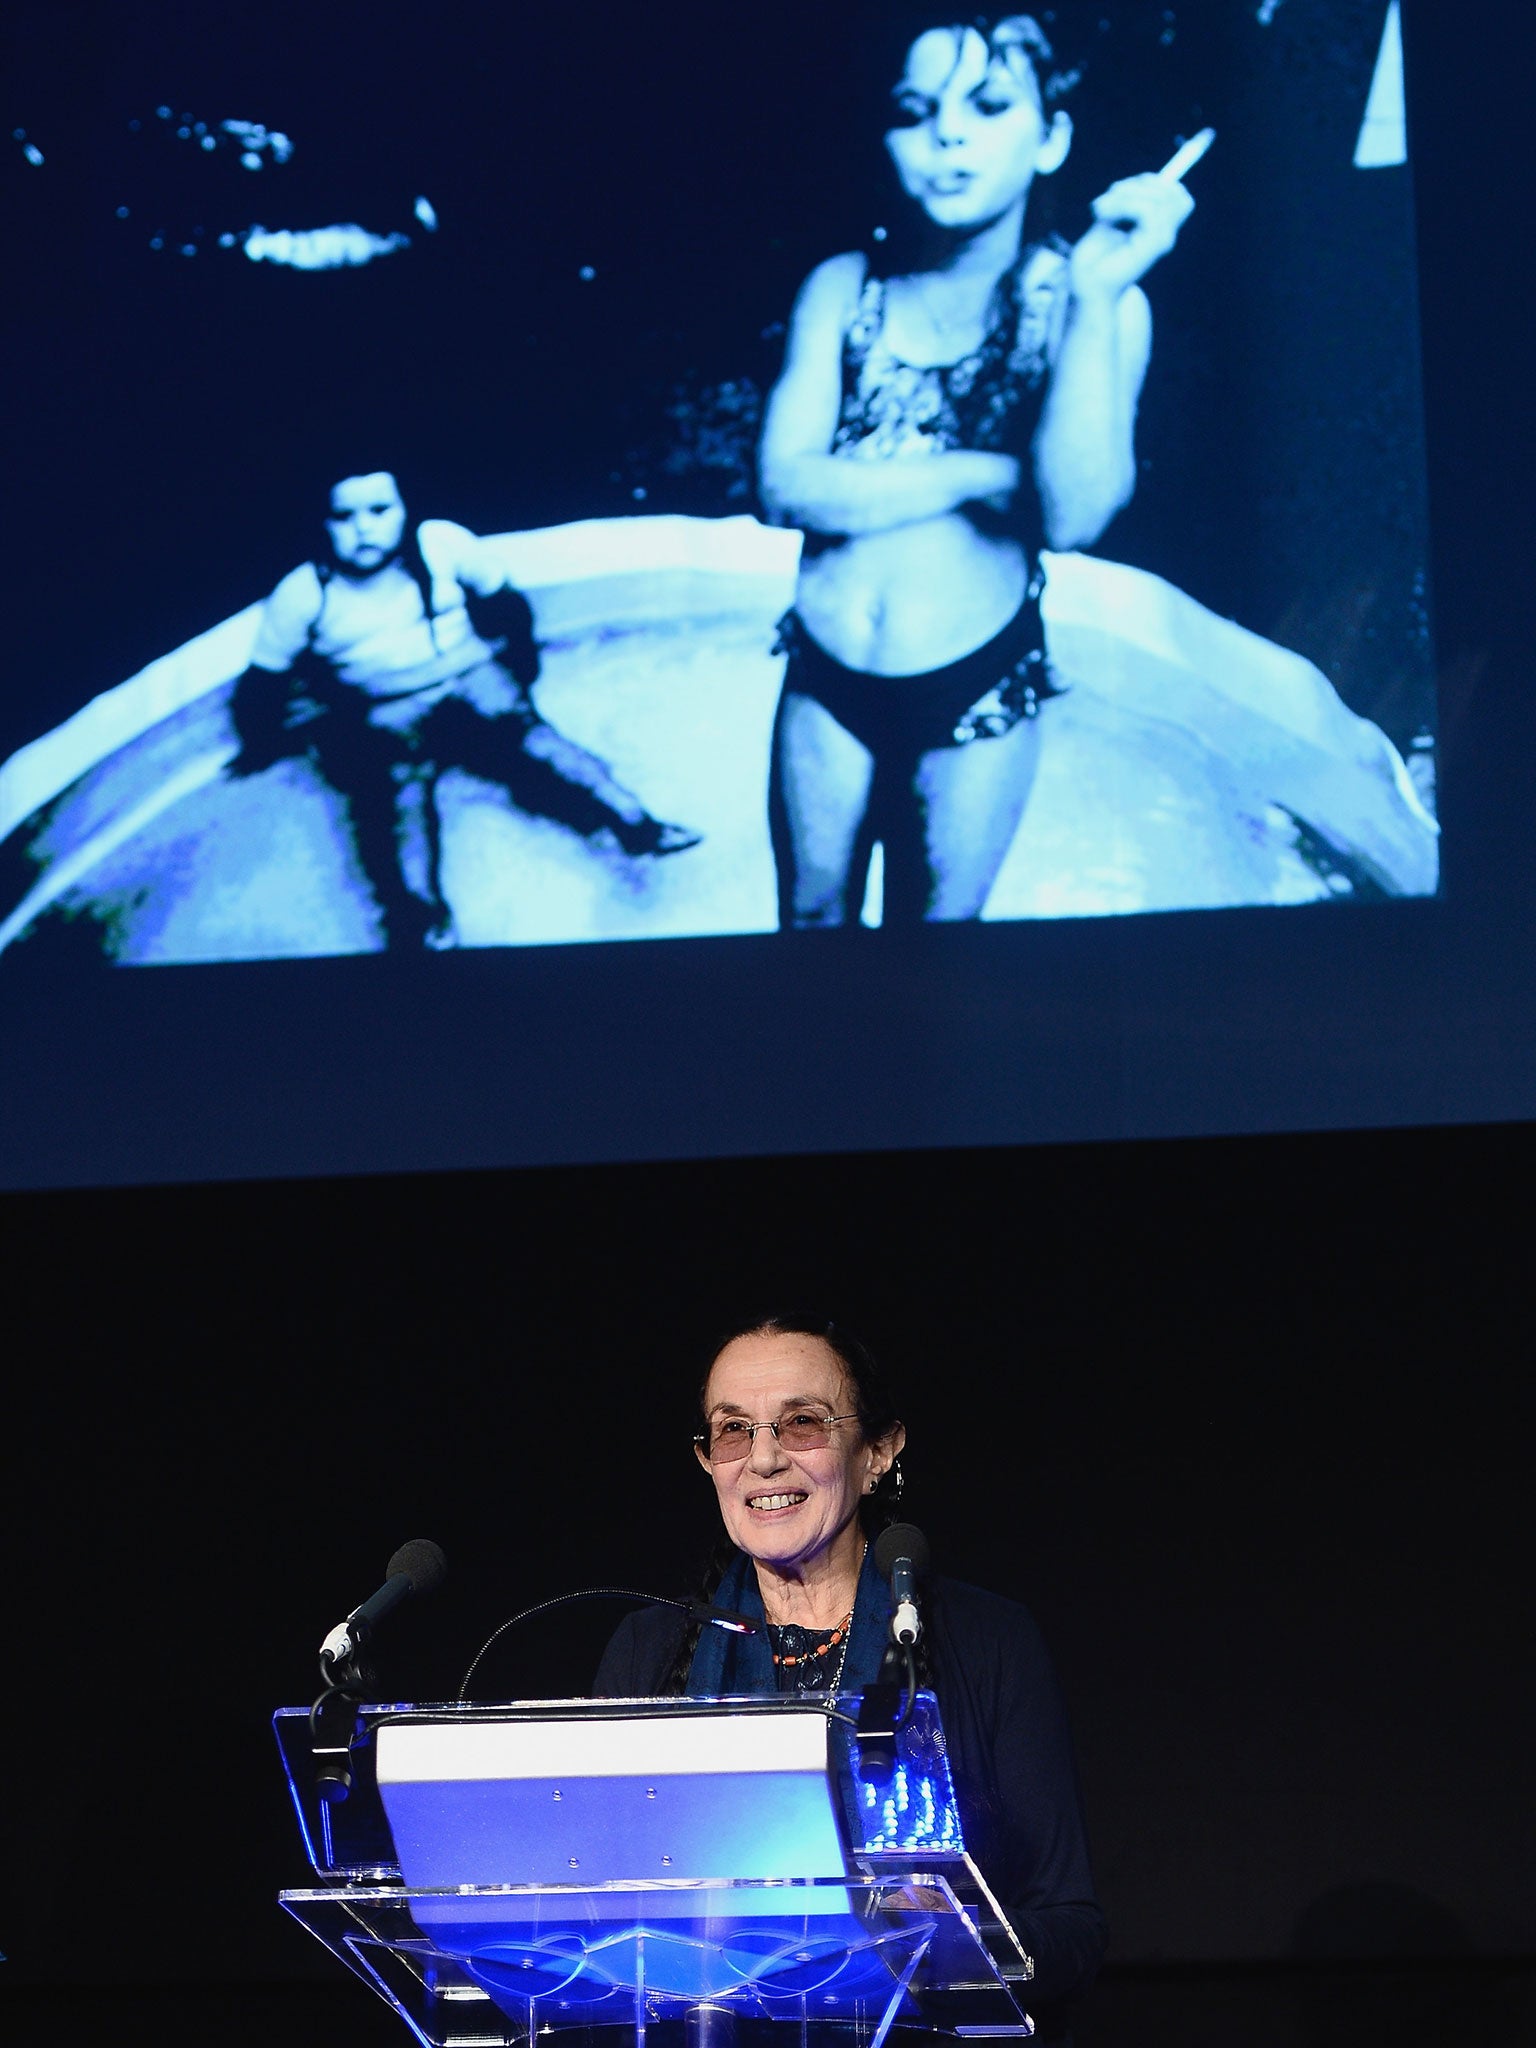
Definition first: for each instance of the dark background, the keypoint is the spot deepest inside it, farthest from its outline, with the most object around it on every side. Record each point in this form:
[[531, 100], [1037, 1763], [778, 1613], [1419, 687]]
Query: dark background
[[1243, 1421]]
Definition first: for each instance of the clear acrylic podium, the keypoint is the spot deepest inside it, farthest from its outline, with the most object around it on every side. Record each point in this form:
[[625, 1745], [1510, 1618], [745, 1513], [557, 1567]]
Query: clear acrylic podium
[[700, 1870]]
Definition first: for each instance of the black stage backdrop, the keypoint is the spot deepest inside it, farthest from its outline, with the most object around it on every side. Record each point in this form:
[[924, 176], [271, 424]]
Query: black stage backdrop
[[1239, 1420]]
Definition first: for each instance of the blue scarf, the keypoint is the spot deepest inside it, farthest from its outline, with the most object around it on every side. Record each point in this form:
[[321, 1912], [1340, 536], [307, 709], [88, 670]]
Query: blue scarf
[[725, 1663]]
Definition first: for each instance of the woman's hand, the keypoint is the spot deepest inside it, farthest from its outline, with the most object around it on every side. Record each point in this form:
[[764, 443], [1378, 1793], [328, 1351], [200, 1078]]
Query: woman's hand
[[1135, 222]]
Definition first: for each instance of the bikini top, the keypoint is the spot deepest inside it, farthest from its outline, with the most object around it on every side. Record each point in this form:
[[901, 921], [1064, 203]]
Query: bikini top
[[989, 399]]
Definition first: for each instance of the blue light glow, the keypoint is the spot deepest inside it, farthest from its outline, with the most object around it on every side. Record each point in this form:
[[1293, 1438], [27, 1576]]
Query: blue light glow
[[917, 1810]]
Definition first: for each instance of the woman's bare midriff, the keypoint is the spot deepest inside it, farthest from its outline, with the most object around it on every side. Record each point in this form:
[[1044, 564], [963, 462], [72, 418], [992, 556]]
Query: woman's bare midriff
[[912, 599]]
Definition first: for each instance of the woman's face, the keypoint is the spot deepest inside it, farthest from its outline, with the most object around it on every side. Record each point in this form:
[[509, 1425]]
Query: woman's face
[[970, 135], [786, 1507]]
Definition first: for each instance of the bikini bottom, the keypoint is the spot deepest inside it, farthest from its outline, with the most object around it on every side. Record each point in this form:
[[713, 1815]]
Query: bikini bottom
[[981, 696]]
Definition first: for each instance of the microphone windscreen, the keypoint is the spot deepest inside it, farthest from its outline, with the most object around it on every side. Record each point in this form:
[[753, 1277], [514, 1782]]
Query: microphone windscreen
[[901, 1540], [422, 1562]]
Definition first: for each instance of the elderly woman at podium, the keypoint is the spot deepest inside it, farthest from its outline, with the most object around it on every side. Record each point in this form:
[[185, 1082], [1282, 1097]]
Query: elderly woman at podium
[[802, 1441]]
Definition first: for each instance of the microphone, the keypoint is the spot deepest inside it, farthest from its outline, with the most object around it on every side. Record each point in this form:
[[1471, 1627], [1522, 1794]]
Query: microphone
[[901, 1552], [416, 1567]]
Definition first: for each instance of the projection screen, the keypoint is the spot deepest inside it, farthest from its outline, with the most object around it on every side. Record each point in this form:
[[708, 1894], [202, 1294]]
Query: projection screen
[[914, 525]]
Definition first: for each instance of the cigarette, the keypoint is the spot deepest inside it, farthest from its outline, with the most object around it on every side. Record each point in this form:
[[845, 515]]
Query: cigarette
[[1183, 160]]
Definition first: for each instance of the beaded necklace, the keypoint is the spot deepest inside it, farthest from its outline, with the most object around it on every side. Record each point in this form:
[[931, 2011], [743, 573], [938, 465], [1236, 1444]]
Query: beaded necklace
[[804, 1665], [804, 1661]]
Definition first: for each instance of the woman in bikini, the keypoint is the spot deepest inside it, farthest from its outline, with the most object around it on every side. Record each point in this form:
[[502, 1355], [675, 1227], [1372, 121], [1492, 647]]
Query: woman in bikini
[[943, 413]]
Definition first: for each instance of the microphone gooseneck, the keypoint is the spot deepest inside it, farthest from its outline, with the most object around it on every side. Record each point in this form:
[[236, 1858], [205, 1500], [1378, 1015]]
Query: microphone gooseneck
[[696, 1610]]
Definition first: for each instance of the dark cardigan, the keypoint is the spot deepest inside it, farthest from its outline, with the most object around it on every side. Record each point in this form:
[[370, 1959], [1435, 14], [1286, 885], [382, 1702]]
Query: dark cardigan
[[1012, 1762]]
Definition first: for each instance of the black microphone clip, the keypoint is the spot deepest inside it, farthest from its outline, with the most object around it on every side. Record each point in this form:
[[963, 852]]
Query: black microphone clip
[[875, 1735]]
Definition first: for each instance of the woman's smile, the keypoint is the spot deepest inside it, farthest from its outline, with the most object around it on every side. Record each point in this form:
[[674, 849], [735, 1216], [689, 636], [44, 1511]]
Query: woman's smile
[[791, 1503]]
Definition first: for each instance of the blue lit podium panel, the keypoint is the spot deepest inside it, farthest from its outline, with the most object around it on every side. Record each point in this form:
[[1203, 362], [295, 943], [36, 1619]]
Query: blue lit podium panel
[[708, 1868]]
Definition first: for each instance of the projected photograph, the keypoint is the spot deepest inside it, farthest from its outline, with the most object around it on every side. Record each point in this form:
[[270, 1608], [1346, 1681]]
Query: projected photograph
[[663, 474]]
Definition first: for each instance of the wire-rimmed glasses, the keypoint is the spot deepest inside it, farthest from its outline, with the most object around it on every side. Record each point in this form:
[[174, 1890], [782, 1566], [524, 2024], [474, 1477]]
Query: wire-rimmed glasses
[[730, 1438]]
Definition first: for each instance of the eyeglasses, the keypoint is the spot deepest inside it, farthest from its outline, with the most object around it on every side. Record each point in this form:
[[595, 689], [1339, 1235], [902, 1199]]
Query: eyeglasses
[[731, 1437]]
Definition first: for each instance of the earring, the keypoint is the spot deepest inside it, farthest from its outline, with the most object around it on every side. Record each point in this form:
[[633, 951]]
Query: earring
[[900, 1477]]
